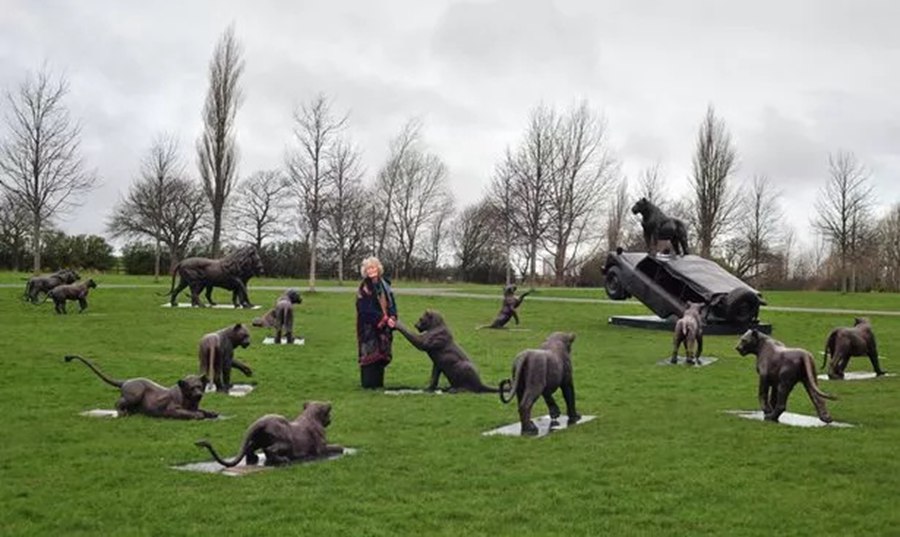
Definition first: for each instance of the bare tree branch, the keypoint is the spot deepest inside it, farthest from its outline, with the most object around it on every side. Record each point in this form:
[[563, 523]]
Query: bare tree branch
[[259, 211]]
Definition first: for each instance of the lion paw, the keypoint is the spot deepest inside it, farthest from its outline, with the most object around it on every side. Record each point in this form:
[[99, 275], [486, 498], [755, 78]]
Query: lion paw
[[530, 429]]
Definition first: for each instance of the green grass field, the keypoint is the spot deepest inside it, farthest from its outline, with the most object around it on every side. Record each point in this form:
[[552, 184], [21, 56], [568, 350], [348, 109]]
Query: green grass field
[[661, 459]]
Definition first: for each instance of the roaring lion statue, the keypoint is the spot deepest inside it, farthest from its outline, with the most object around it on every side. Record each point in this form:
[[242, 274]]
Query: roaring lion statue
[[231, 273]]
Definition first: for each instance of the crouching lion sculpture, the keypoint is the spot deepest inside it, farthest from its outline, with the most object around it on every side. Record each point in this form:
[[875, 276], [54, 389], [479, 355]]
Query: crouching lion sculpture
[[284, 441]]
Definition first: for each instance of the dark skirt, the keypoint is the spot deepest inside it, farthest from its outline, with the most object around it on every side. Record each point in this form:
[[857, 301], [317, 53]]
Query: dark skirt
[[374, 343]]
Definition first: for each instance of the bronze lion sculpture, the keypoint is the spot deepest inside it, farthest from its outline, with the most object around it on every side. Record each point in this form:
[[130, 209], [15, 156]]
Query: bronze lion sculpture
[[284, 441], [230, 272], [45, 283], [843, 343], [658, 226], [780, 368]]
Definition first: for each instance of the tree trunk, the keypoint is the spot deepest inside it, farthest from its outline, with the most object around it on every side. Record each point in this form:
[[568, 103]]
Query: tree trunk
[[217, 231], [559, 265], [36, 242], [157, 261], [843, 274], [341, 266], [312, 260]]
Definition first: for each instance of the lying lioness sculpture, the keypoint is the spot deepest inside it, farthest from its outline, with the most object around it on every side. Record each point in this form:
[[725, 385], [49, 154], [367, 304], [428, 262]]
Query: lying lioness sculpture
[[284, 441], [143, 396]]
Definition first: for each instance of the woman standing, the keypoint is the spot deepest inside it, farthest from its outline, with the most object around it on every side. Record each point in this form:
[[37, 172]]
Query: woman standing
[[376, 315]]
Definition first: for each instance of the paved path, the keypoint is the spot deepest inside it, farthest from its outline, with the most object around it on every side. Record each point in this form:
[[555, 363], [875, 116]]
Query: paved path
[[456, 293]]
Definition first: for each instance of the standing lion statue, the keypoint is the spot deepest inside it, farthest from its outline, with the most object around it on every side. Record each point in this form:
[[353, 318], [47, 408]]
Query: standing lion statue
[[231, 272]]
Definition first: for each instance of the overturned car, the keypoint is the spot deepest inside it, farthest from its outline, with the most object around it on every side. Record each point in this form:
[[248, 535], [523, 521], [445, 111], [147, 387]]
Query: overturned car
[[665, 284]]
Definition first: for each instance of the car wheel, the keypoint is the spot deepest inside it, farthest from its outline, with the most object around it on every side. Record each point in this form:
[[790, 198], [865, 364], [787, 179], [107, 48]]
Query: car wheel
[[615, 287], [741, 306]]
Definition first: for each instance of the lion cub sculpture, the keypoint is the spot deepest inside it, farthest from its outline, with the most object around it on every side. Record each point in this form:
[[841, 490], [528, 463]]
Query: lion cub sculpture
[[779, 369], [143, 396], [510, 304], [540, 372], [72, 291], [689, 332], [284, 441], [281, 317], [436, 340], [215, 355], [842, 343]]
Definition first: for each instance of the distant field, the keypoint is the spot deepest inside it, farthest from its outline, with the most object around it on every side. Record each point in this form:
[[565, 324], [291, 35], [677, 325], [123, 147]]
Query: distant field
[[662, 459], [810, 299]]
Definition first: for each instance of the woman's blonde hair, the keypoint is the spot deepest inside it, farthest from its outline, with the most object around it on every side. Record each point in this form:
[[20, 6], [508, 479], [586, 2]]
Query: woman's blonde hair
[[368, 262]]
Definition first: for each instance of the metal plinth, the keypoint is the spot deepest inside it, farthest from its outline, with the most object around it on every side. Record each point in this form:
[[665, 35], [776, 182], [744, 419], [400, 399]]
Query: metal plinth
[[653, 322]]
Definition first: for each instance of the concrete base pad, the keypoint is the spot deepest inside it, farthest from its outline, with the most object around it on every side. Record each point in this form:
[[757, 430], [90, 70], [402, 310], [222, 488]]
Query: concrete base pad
[[411, 391], [213, 467], [710, 329], [217, 306], [237, 390], [544, 424], [100, 413], [855, 375], [110, 413], [789, 418], [271, 341], [682, 360]]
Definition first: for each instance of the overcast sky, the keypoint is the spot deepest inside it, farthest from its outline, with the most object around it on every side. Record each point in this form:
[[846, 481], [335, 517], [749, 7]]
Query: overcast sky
[[794, 80]]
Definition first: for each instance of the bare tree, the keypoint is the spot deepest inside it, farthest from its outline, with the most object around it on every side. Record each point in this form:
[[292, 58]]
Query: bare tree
[[347, 205], [259, 208], [760, 223], [160, 166], [889, 234], [584, 173], [533, 171], [14, 226], [617, 217], [387, 182], [41, 168], [843, 212], [421, 192], [316, 130], [217, 154], [714, 201], [500, 198], [172, 213], [438, 231], [475, 241]]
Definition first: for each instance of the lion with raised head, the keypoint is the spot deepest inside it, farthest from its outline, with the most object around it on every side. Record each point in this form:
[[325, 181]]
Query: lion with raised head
[[230, 272], [284, 441]]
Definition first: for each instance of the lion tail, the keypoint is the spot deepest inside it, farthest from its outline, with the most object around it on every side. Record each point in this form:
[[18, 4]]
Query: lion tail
[[228, 464], [810, 366], [112, 382], [829, 347], [511, 385], [172, 287], [245, 448]]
